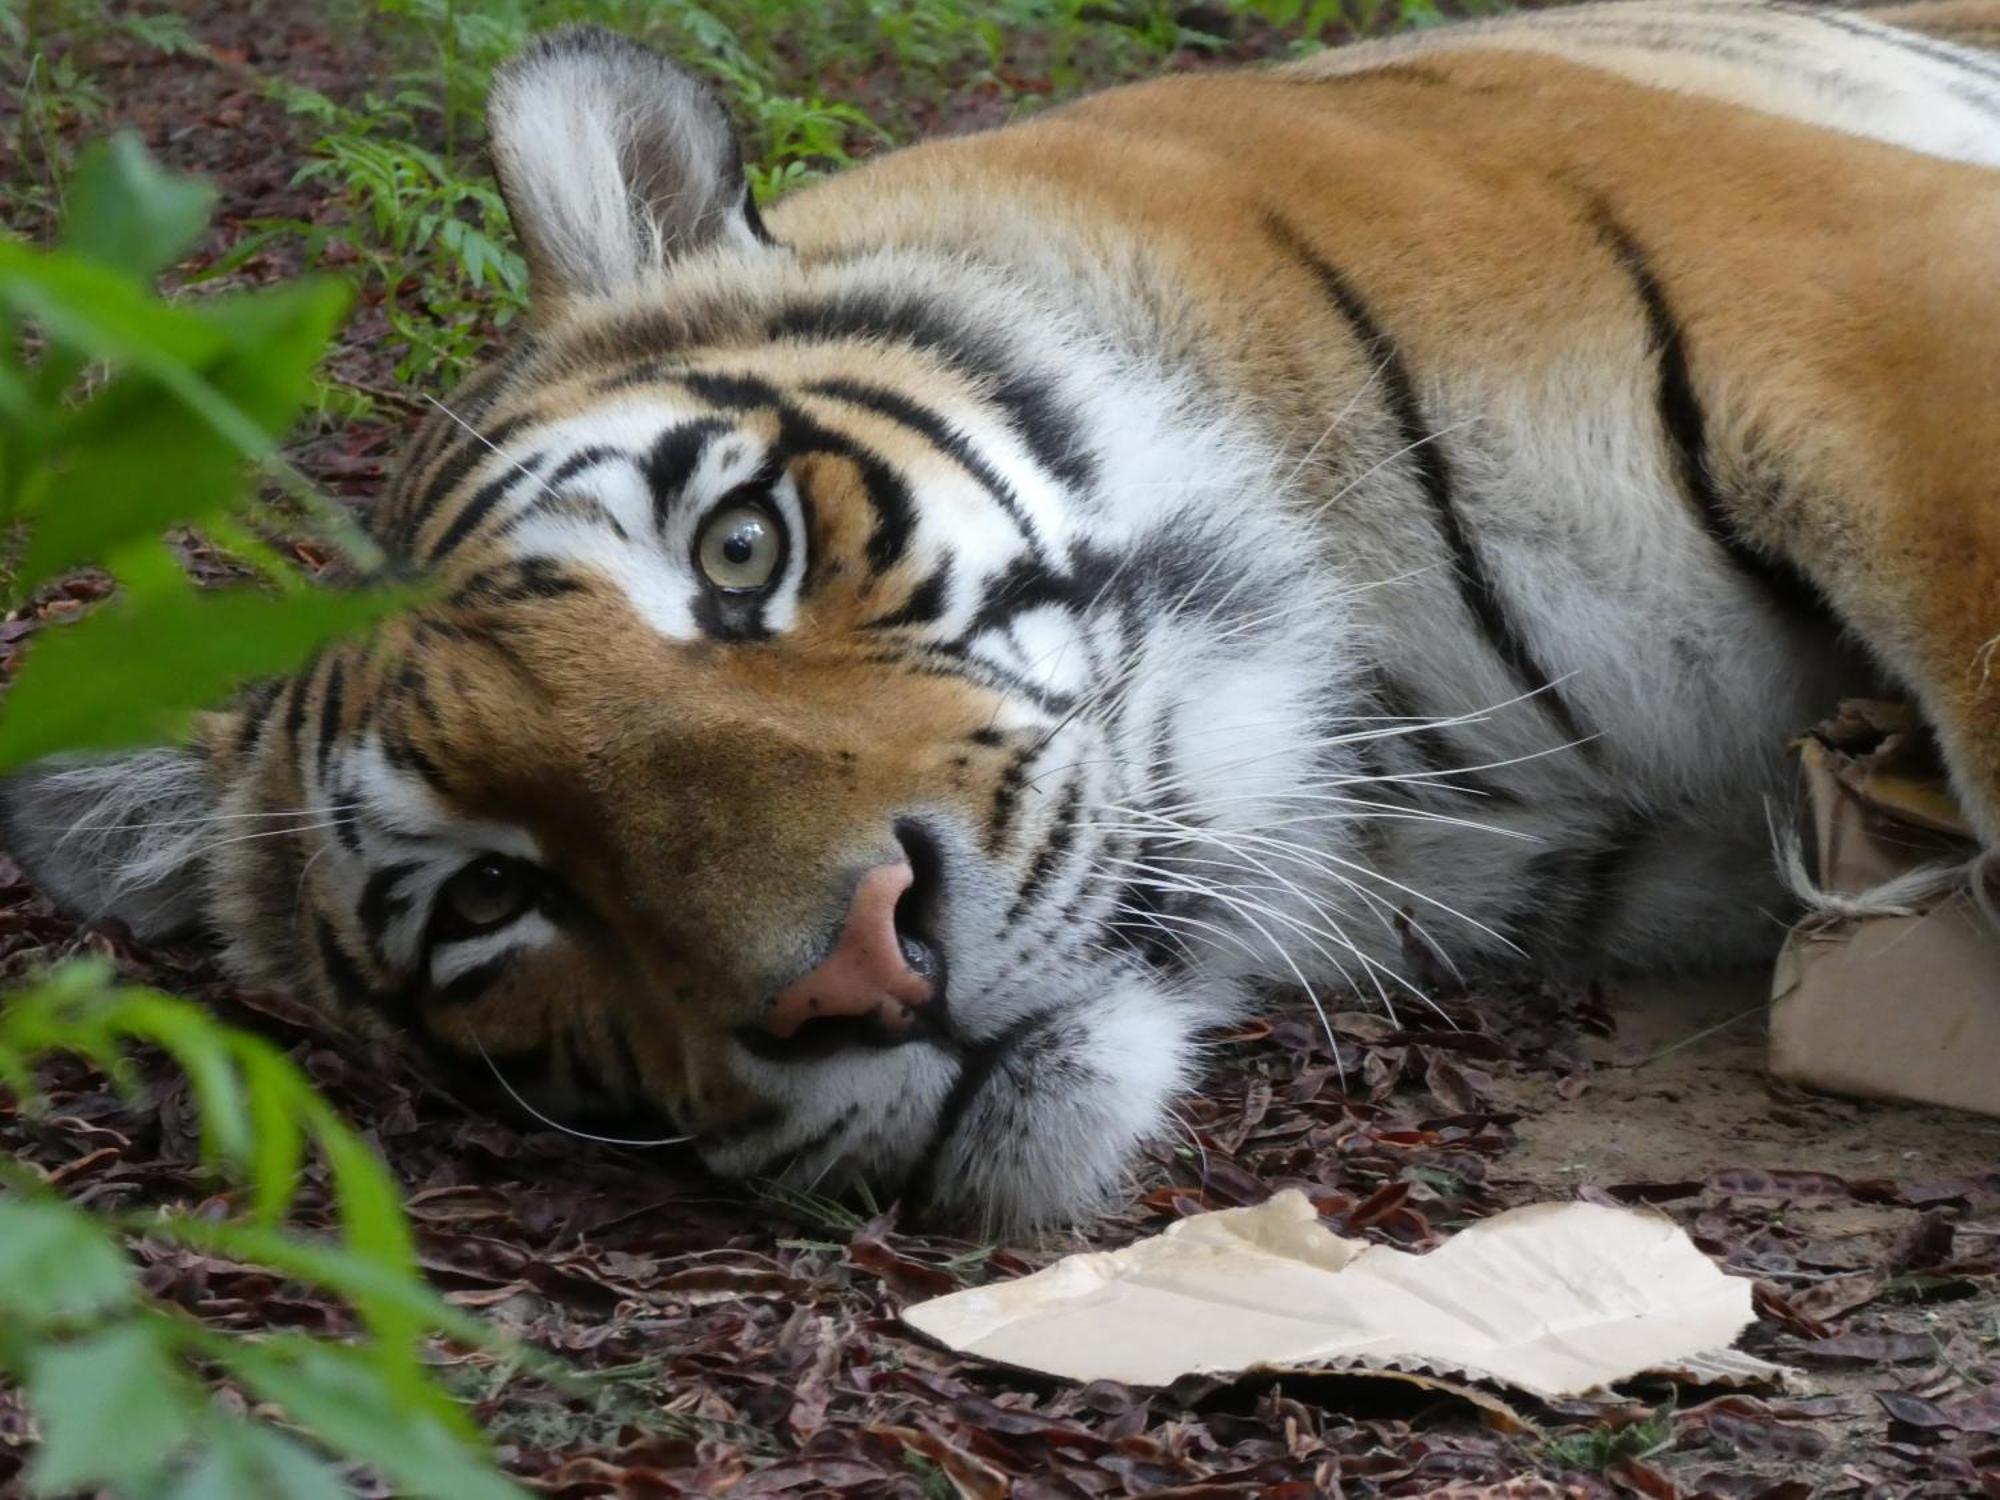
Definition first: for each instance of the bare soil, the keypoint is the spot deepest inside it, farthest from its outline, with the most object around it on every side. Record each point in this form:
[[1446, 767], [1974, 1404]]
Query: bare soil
[[1683, 1084]]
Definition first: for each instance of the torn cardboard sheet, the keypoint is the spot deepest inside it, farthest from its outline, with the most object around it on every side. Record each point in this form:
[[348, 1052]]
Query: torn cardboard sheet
[[1557, 1299], [1891, 986]]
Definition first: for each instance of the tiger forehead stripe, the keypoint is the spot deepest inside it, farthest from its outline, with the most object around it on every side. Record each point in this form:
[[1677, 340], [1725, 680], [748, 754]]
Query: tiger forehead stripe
[[1053, 436], [798, 434], [670, 464], [649, 344], [948, 439], [512, 477]]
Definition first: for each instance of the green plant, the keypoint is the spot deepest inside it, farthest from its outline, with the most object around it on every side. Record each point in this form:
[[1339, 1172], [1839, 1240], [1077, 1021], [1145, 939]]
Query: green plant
[[117, 1379], [800, 136], [930, 1477], [430, 233], [52, 94], [1598, 1449], [104, 389], [125, 388], [47, 57], [432, 242], [410, 204]]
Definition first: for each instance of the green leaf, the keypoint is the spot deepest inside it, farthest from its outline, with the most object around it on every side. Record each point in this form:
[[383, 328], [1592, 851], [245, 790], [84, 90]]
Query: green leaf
[[123, 210], [242, 1459], [114, 1409], [135, 465], [360, 1280], [134, 669], [91, 312], [278, 1143], [338, 1393], [371, 1218], [135, 462], [57, 1263], [371, 1210], [100, 313]]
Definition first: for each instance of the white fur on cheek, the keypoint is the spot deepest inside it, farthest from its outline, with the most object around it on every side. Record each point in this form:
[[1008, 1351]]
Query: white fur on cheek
[[121, 836], [1049, 1135], [453, 959]]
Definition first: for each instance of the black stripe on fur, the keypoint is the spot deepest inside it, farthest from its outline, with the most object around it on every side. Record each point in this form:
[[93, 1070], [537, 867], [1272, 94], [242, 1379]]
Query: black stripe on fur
[[946, 438], [1476, 586], [1051, 434], [1685, 426]]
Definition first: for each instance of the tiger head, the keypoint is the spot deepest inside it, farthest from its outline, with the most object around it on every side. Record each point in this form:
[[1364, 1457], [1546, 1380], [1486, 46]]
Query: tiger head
[[834, 652]]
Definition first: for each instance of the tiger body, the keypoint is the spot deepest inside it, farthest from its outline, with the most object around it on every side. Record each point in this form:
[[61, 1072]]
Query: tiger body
[[1309, 526]]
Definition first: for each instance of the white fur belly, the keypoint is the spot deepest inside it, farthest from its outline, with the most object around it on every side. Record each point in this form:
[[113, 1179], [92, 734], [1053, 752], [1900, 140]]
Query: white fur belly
[[1631, 824]]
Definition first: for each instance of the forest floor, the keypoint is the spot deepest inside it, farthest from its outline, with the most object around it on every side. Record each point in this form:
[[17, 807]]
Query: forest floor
[[751, 1338]]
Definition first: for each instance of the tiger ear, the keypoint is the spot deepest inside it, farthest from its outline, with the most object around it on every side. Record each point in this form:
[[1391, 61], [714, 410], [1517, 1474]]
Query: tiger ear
[[115, 836], [614, 163]]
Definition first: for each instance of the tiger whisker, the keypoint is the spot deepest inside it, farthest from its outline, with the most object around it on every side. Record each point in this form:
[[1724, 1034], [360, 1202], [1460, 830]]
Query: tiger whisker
[[484, 441], [269, 833], [1383, 913], [1194, 1139], [295, 812], [1388, 727], [1324, 859], [1283, 885], [1403, 452], [1249, 912], [582, 1135]]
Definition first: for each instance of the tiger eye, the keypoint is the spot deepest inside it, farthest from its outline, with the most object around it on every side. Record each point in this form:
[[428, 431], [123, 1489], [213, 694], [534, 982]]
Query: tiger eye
[[740, 548], [486, 894]]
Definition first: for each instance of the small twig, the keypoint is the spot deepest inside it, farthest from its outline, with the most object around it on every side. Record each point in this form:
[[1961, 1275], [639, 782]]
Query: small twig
[[385, 393], [1688, 1041]]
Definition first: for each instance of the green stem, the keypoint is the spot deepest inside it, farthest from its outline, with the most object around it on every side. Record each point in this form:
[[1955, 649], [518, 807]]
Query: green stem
[[451, 84]]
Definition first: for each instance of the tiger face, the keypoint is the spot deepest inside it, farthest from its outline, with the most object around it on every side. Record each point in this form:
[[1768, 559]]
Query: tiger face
[[817, 659]]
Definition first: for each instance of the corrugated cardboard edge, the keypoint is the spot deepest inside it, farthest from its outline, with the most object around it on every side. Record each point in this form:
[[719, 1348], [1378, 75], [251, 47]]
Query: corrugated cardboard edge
[[1723, 1369], [1509, 1407], [1729, 1369]]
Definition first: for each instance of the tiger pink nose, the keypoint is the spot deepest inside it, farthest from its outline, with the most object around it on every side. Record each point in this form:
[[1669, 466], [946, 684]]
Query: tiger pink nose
[[866, 974]]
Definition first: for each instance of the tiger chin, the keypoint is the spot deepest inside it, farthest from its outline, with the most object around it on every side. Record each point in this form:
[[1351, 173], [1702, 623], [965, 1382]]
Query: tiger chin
[[900, 671]]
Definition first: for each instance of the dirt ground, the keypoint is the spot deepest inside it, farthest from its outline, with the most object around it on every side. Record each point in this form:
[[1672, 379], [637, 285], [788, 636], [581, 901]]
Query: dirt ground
[[1685, 1077], [746, 1340], [1680, 1100]]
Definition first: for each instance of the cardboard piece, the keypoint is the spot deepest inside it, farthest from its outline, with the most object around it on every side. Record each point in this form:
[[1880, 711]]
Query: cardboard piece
[[1890, 988], [1556, 1299]]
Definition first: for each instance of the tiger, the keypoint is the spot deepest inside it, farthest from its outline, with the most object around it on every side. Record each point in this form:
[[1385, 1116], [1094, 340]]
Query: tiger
[[903, 669]]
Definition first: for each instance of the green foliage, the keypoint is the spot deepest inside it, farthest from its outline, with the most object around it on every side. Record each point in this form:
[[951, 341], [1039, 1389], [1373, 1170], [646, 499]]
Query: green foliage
[[125, 389], [428, 227], [123, 415], [935, 1483], [54, 87], [432, 241], [118, 1381], [1596, 1450], [409, 198], [1328, 20]]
